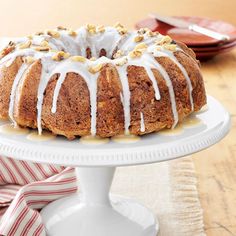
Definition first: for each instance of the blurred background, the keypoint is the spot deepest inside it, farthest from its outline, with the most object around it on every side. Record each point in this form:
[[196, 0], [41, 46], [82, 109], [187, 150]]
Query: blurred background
[[27, 16]]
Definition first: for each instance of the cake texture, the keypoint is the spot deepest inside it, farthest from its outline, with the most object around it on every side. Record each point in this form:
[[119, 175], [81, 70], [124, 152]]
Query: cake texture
[[97, 80]]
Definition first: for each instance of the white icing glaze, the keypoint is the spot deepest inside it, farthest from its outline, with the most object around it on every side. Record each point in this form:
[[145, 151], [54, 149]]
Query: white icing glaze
[[45, 136], [94, 140], [20, 73], [142, 124], [122, 71], [169, 54], [172, 132], [192, 121], [110, 41], [154, 64], [126, 139], [12, 130]]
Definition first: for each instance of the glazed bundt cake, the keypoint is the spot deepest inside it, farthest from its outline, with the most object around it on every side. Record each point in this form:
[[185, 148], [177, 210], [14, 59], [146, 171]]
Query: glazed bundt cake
[[100, 81]]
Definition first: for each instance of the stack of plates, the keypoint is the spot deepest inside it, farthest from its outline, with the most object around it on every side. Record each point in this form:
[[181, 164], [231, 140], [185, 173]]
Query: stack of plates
[[204, 46]]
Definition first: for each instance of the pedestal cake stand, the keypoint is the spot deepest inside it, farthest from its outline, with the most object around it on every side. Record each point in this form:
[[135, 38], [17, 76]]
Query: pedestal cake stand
[[95, 212]]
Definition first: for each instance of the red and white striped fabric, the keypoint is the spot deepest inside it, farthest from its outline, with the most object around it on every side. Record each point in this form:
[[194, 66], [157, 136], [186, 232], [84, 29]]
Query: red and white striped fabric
[[25, 188]]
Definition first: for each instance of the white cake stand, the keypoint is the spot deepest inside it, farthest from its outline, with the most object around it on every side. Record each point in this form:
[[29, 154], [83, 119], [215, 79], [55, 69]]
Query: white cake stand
[[94, 212]]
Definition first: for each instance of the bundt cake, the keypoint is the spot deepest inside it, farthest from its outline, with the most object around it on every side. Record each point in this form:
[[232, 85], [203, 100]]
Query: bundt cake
[[98, 80]]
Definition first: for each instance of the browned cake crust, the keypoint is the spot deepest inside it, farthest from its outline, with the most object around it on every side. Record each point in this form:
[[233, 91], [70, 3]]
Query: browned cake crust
[[73, 106]]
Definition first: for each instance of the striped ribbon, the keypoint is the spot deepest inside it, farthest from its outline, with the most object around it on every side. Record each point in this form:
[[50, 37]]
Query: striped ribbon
[[27, 187]]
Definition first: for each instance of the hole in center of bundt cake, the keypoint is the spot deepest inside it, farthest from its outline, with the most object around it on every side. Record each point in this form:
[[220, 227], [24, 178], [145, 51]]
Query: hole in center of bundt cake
[[102, 53]]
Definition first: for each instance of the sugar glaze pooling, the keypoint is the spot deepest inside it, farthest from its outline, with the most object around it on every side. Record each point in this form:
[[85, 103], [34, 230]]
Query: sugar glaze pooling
[[111, 41]]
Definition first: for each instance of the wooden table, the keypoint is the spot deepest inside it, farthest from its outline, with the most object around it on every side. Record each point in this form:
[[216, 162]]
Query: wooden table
[[216, 166]]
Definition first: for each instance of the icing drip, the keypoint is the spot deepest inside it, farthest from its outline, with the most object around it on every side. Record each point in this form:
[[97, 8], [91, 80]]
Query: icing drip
[[142, 124], [90, 79], [20, 73], [47, 67], [169, 84], [170, 55], [145, 62], [183, 70], [122, 71]]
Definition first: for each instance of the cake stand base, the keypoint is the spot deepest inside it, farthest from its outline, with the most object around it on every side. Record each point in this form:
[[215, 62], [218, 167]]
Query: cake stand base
[[93, 212]]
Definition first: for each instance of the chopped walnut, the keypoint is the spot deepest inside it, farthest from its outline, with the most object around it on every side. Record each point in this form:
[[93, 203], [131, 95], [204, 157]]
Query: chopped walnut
[[165, 40], [25, 45], [118, 54], [151, 33], [53, 33], [138, 38], [135, 53], [30, 37], [142, 30], [170, 47], [28, 60], [118, 25], [60, 56], [91, 28], [7, 50], [95, 69], [141, 46], [44, 43], [61, 27], [78, 58], [121, 30], [39, 33], [101, 29], [122, 62], [42, 49], [72, 33]]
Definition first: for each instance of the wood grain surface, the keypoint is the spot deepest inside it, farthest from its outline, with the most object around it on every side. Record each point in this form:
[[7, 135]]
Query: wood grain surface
[[216, 166]]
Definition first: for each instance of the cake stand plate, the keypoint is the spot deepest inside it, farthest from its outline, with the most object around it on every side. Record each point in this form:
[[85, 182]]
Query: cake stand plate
[[94, 211]]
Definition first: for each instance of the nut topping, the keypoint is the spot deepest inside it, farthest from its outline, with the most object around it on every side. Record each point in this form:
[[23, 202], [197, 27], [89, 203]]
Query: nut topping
[[143, 30], [78, 58], [141, 46], [7, 50], [95, 69], [39, 33], [118, 25], [28, 60], [170, 47], [135, 53], [60, 56], [61, 27], [44, 43], [118, 54], [25, 45], [101, 29], [165, 40], [151, 33], [72, 33], [122, 62], [42, 49], [138, 38], [53, 33], [91, 28]]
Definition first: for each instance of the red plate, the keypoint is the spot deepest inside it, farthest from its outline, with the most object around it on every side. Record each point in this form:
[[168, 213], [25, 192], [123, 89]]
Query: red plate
[[187, 36], [215, 48], [202, 56]]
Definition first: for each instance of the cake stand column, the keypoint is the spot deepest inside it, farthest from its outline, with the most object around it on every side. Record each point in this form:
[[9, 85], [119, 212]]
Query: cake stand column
[[92, 211], [95, 183]]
